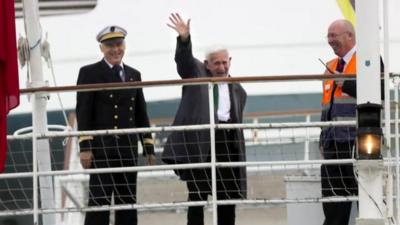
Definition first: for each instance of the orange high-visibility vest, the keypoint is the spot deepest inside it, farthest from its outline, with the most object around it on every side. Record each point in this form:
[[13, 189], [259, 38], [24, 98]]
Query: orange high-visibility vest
[[328, 85], [337, 106]]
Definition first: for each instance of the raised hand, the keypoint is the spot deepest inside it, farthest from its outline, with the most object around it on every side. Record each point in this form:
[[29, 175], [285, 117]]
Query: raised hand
[[180, 26]]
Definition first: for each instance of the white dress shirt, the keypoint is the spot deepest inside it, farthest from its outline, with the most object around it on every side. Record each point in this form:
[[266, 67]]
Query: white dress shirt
[[224, 103], [348, 56]]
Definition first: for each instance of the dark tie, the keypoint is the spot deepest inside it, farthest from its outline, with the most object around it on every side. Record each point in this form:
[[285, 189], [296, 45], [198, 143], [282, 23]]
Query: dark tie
[[118, 71], [215, 96], [340, 65]]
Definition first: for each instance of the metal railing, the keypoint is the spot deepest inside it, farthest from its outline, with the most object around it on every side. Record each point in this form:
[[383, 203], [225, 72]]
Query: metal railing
[[304, 164]]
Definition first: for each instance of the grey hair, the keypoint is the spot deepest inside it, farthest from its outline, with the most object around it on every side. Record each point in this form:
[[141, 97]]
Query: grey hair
[[214, 49]]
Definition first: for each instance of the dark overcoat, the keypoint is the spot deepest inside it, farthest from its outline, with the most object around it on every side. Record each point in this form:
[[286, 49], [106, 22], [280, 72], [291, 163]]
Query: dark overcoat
[[194, 146], [112, 109]]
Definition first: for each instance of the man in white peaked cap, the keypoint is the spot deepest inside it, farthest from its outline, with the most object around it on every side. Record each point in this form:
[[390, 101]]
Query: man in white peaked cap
[[113, 109]]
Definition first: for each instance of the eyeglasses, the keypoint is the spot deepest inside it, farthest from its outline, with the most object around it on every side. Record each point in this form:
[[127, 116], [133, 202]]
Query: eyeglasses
[[334, 36]]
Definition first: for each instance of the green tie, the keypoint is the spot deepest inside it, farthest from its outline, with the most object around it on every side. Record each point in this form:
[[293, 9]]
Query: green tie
[[216, 97]]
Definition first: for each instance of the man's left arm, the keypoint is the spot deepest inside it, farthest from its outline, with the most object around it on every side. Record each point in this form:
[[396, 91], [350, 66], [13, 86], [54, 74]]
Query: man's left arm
[[84, 113], [142, 120], [350, 86], [243, 98]]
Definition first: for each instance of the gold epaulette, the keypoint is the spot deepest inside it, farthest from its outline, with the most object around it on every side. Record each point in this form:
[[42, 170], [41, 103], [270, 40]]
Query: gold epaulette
[[148, 141], [85, 138]]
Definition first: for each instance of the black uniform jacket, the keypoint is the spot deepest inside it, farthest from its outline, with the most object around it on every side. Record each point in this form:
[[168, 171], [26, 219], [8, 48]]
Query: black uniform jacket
[[194, 146], [112, 109]]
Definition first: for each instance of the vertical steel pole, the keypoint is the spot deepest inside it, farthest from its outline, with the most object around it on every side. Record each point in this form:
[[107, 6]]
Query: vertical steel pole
[[389, 185], [368, 91], [35, 194], [39, 116], [397, 145], [307, 143]]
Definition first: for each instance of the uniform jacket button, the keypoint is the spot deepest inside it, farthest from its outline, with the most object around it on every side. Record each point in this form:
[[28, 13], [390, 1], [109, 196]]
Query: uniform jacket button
[[115, 116], [111, 96]]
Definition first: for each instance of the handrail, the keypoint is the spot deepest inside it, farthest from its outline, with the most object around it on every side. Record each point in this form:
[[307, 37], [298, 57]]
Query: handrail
[[252, 115], [190, 81], [51, 134]]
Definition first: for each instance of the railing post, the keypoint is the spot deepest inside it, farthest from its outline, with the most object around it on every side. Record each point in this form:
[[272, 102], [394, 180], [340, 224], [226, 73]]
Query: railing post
[[369, 163], [41, 148], [396, 143], [307, 143], [387, 108], [213, 155], [35, 189], [255, 131]]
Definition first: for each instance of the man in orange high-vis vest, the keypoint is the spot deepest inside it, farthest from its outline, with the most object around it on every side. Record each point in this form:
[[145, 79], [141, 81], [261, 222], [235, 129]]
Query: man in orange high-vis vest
[[338, 142]]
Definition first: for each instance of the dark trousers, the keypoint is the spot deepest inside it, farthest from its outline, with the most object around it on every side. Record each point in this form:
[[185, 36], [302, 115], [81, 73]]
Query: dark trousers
[[338, 180], [101, 188], [199, 185]]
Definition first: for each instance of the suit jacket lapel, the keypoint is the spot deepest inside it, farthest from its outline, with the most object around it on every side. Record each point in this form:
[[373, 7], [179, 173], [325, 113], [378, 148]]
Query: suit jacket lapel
[[234, 104], [128, 75]]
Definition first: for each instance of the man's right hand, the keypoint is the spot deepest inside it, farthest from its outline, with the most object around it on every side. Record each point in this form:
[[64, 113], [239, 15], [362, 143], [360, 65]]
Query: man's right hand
[[182, 28], [86, 159]]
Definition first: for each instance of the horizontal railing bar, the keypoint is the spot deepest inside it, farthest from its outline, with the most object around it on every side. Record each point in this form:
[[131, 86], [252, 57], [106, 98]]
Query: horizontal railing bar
[[192, 81], [51, 134], [169, 174], [266, 165], [272, 165], [175, 205], [253, 115], [175, 166]]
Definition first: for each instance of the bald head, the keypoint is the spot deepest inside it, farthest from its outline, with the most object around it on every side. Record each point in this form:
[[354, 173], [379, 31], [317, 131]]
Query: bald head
[[341, 37], [343, 26]]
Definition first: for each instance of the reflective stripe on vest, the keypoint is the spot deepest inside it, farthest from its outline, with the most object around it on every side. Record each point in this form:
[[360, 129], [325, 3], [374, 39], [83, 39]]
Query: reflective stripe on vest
[[345, 100], [343, 118]]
